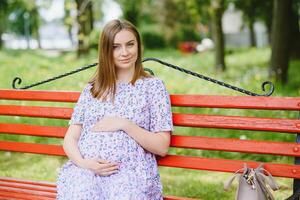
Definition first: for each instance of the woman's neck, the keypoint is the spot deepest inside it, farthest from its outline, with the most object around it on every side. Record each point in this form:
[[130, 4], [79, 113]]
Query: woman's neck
[[124, 76]]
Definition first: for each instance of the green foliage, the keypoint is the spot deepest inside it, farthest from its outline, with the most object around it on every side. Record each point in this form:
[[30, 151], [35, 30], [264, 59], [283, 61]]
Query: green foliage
[[131, 10], [256, 10], [153, 40], [94, 38], [23, 13]]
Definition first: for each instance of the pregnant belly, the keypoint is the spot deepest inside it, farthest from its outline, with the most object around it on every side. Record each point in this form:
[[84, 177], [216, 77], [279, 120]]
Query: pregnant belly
[[111, 146]]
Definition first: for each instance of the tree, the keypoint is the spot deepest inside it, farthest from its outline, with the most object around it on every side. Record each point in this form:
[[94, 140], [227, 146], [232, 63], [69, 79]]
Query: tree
[[85, 22], [24, 19], [69, 5], [249, 15], [264, 12], [216, 13], [294, 41], [131, 10], [254, 10], [280, 46], [179, 20], [3, 17]]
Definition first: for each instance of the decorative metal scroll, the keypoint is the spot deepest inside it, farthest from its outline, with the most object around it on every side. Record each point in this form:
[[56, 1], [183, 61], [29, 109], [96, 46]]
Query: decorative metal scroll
[[18, 80], [268, 93]]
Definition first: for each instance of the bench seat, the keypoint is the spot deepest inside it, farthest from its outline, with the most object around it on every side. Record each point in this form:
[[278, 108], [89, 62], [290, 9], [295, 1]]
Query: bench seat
[[195, 117]]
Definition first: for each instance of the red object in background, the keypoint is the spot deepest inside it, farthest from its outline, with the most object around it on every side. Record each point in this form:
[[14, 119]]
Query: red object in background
[[187, 47]]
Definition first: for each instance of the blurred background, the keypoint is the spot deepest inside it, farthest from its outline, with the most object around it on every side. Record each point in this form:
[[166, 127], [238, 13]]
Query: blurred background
[[192, 26], [240, 42]]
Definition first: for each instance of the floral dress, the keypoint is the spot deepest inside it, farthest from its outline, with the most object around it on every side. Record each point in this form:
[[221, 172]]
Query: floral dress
[[147, 104]]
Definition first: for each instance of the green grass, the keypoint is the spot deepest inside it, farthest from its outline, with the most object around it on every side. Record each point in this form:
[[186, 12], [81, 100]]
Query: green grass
[[246, 68]]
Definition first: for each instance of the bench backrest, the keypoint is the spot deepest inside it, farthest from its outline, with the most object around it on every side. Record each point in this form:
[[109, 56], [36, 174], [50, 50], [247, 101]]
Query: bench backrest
[[182, 117]]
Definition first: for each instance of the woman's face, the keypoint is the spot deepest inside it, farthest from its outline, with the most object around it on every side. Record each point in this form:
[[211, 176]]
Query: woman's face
[[125, 50]]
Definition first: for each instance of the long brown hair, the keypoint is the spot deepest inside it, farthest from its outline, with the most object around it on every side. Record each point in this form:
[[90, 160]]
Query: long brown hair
[[104, 81]]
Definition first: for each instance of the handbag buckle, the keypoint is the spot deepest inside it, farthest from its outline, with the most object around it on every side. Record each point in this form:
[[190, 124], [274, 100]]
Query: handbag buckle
[[249, 176]]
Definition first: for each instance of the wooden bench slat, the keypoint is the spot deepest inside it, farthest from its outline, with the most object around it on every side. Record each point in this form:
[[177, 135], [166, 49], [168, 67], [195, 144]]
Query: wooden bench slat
[[4, 195], [46, 149], [210, 101], [236, 145], [223, 165], [38, 194], [36, 95], [193, 142], [178, 198], [281, 170], [193, 120], [28, 187], [240, 102], [36, 111], [236, 122], [33, 130], [39, 183]]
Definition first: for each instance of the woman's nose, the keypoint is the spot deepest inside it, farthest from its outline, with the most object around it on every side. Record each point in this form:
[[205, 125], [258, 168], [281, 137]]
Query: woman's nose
[[124, 51]]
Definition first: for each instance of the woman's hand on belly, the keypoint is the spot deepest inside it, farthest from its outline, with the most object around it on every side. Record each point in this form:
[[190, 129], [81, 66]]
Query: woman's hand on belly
[[110, 124], [100, 167]]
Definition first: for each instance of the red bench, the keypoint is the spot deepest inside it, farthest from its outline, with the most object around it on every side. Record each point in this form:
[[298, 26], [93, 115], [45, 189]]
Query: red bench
[[11, 188]]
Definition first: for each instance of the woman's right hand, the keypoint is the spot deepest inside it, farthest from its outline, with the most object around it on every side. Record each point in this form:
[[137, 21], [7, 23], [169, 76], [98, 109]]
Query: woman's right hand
[[100, 167]]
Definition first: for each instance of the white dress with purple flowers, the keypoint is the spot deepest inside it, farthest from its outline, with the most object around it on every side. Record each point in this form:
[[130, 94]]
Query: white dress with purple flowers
[[147, 104]]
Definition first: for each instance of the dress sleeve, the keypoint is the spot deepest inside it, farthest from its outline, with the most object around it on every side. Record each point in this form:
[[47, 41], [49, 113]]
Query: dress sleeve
[[160, 108], [80, 107]]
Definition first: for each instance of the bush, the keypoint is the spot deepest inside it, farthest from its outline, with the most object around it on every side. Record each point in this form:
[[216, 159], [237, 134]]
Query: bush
[[153, 40], [190, 35], [183, 35]]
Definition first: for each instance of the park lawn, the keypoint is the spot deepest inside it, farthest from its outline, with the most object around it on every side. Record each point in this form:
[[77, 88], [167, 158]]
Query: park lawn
[[246, 68]]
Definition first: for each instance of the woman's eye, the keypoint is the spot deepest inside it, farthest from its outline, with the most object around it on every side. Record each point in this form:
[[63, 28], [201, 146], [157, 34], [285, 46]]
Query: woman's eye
[[115, 47], [130, 44]]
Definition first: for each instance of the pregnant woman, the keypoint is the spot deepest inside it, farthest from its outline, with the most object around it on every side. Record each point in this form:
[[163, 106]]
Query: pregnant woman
[[120, 122]]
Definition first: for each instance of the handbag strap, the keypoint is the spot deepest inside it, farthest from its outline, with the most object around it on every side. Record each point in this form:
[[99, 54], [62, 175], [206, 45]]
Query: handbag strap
[[264, 180], [228, 183], [261, 180], [269, 179]]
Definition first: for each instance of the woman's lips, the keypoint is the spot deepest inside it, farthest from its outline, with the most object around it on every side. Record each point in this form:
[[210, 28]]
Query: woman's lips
[[125, 60]]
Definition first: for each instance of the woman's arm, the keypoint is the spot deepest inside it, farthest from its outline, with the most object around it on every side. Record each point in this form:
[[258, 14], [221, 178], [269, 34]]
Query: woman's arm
[[71, 144], [157, 143]]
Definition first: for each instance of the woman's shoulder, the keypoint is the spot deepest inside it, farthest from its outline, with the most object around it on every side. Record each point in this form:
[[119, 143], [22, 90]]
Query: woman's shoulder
[[87, 88], [152, 81], [86, 91]]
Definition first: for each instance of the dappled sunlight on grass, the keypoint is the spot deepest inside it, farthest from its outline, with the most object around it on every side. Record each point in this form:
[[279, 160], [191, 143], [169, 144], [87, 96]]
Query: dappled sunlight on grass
[[29, 166]]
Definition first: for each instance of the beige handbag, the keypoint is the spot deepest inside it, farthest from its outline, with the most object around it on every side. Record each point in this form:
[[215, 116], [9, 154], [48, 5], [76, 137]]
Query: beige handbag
[[253, 184]]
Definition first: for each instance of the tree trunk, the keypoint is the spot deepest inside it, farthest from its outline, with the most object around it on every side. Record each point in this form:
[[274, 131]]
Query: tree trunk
[[38, 38], [216, 14], [252, 33], [280, 47], [84, 9], [295, 33], [90, 16], [69, 28], [269, 32], [1, 41], [36, 25]]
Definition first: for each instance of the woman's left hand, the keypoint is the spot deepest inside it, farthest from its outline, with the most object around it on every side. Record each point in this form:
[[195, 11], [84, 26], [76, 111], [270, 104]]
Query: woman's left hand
[[110, 124]]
